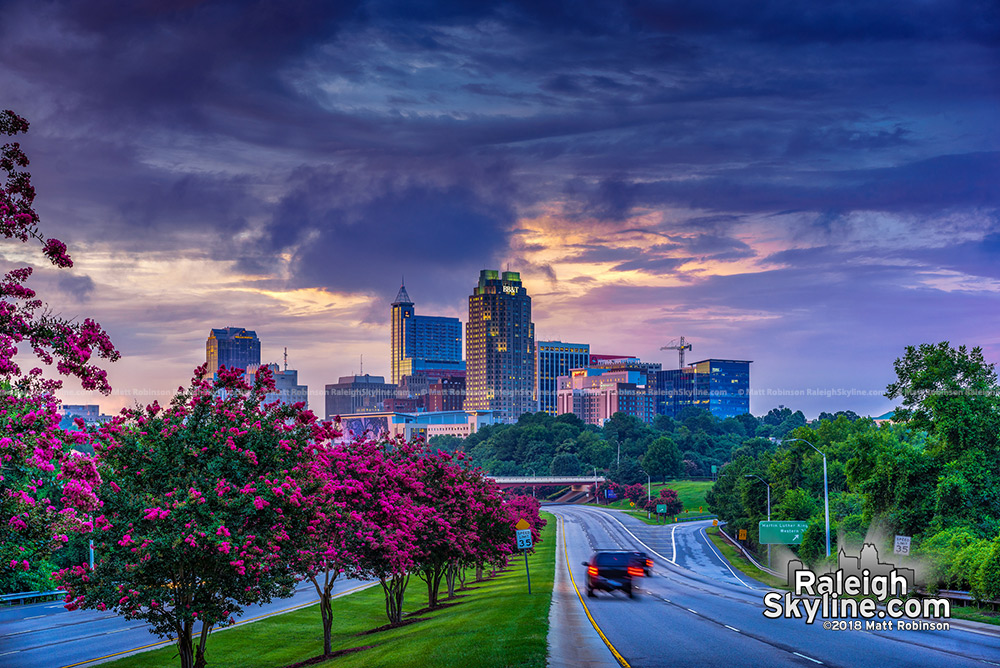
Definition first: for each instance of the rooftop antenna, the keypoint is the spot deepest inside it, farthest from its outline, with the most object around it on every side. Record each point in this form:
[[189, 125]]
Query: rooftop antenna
[[286, 358], [362, 365]]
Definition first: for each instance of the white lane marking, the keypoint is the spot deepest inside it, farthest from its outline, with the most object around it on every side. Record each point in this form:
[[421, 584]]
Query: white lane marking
[[673, 545], [615, 520], [808, 657], [35, 617], [721, 558], [50, 607], [732, 628], [14, 652], [694, 611]]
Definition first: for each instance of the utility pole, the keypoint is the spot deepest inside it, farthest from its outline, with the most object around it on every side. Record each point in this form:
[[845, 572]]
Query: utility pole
[[286, 358]]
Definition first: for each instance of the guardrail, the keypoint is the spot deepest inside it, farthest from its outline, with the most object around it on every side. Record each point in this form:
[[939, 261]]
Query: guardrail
[[954, 595], [746, 553], [25, 596]]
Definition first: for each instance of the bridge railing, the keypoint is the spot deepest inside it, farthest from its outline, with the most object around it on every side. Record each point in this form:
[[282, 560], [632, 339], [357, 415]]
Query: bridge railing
[[25, 596], [543, 479]]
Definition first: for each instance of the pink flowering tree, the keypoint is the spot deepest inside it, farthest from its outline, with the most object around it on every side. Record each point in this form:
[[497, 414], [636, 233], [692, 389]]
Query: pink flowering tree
[[341, 524], [204, 505], [450, 534], [45, 488], [393, 517], [494, 536], [529, 509], [636, 493], [667, 497]]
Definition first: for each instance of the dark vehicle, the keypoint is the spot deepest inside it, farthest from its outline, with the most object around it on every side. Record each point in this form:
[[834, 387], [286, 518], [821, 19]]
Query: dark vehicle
[[647, 563], [613, 570]]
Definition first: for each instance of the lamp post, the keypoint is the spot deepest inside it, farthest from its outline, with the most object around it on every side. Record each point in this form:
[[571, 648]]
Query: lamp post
[[596, 496], [826, 489], [754, 475], [649, 493], [533, 485]]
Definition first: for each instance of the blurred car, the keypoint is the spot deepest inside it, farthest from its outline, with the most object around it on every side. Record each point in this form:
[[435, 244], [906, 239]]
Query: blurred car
[[613, 570], [647, 563]]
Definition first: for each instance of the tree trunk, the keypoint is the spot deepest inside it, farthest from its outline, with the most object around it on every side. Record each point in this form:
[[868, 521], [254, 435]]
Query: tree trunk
[[479, 572], [184, 645], [325, 592], [461, 578], [449, 577], [199, 660], [394, 589]]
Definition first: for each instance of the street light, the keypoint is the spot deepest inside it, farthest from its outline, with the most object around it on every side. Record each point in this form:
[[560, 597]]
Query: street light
[[826, 489], [596, 497], [754, 475], [532, 486]]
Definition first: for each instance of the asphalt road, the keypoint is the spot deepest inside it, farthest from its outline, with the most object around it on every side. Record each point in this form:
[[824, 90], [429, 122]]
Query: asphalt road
[[46, 635], [696, 611]]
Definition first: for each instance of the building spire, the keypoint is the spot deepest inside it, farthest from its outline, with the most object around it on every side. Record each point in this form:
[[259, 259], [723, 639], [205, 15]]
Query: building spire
[[401, 297]]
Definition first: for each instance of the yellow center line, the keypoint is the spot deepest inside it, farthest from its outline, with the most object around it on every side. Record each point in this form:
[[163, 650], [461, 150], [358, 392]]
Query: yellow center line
[[607, 642], [242, 621]]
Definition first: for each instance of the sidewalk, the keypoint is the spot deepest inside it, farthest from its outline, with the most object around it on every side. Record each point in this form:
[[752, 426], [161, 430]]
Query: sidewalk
[[573, 641]]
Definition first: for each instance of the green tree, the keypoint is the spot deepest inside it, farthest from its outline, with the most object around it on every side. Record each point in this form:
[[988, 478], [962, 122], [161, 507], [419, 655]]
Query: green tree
[[662, 459], [986, 584], [951, 392], [566, 464]]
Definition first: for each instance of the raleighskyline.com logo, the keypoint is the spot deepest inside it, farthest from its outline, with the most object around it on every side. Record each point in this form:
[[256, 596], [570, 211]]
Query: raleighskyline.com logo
[[863, 594]]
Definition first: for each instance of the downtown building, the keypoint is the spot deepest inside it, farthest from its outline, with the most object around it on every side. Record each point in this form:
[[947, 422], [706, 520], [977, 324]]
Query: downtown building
[[357, 394], [612, 385], [554, 359], [719, 386], [422, 344], [500, 347], [286, 384], [233, 348]]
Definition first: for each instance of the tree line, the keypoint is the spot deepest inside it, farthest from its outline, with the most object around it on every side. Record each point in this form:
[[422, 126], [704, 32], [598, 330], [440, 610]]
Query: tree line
[[932, 474], [625, 449]]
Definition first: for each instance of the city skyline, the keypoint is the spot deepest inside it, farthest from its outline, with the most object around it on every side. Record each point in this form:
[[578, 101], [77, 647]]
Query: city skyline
[[809, 188]]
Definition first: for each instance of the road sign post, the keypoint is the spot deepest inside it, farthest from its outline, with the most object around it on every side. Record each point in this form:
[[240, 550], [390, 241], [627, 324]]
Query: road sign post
[[781, 533], [523, 532]]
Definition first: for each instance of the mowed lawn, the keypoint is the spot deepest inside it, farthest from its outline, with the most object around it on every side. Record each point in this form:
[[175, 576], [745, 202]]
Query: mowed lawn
[[494, 623], [690, 492]]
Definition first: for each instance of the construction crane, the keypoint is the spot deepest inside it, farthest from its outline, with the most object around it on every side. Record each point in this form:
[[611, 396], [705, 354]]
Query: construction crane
[[680, 348]]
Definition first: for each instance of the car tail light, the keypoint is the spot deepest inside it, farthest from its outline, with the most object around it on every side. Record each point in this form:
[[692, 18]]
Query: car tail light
[[592, 571], [649, 563], [635, 572]]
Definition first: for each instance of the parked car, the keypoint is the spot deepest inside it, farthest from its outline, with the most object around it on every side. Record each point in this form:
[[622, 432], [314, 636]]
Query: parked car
[[611, 570]]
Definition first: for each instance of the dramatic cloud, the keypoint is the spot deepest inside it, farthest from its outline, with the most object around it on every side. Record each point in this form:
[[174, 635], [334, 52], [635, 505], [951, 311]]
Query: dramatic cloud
[[812, 186]]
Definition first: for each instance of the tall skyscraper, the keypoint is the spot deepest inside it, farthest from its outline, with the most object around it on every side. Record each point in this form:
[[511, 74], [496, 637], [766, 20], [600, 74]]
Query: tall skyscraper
[[500, 347], [554, 359], [233, 348], [422, 342]]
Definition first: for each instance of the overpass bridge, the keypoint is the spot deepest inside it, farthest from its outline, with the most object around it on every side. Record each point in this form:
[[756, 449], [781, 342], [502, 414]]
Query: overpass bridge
[[578, 483]]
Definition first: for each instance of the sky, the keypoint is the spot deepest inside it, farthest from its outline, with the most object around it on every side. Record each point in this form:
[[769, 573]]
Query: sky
[[809, 185]]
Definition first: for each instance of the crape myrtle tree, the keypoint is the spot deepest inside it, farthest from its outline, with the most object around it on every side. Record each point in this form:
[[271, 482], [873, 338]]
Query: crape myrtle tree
[[395, 514], [668, 497], [204, 505], [45, 489], [494, 532]]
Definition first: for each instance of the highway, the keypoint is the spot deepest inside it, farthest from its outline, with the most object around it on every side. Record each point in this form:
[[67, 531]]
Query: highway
[[697, 611], [46, 635]]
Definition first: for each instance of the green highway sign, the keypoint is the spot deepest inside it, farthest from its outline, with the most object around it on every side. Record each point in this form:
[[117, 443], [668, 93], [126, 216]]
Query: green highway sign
[[661, 509], [782, 533]]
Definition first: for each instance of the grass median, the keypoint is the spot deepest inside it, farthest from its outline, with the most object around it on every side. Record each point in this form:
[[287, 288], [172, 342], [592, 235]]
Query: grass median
[[741, 563], [494, 623]]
